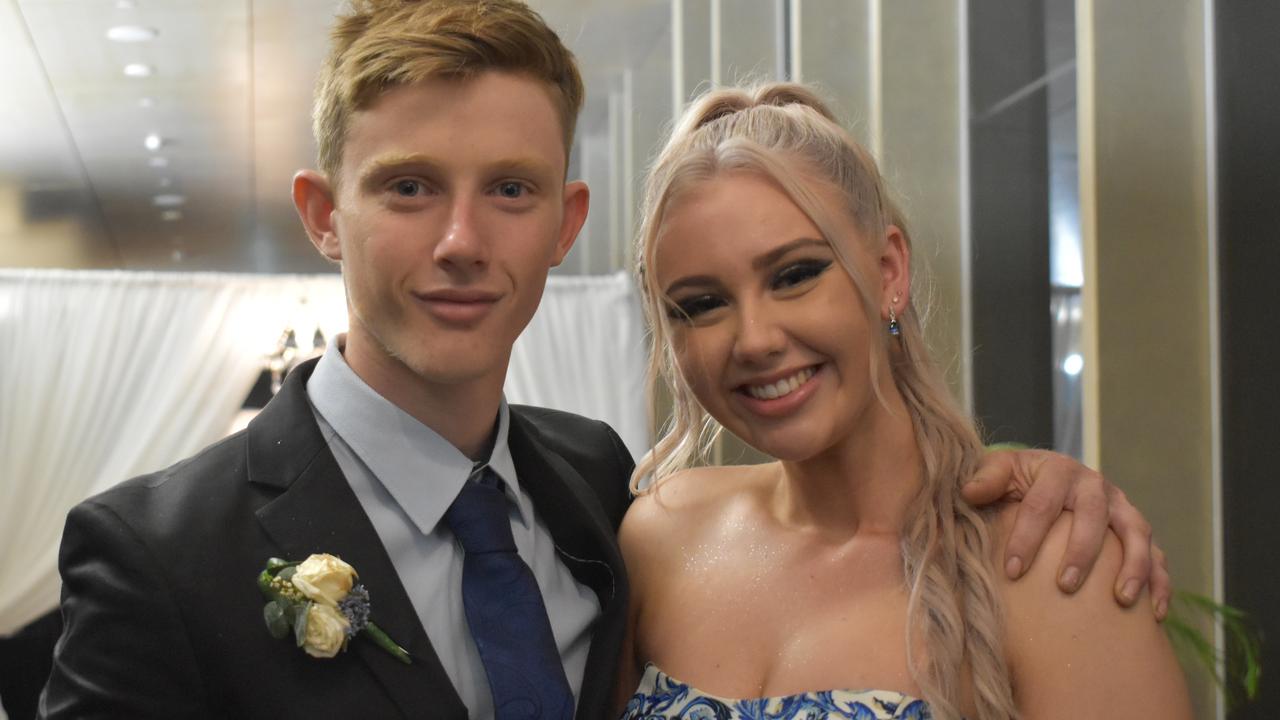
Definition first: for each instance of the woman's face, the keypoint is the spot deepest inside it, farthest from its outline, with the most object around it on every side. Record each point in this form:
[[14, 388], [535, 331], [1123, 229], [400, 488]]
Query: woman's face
[[767, 327]]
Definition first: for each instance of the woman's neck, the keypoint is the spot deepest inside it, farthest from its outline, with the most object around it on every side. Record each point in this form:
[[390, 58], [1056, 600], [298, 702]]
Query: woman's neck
[[862, 484]]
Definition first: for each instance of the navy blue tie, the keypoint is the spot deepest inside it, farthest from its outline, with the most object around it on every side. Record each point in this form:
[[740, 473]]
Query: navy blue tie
[[504, 608]]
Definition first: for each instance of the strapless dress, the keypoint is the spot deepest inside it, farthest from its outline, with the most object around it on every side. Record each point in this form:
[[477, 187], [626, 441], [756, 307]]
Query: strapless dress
[[662, 697]]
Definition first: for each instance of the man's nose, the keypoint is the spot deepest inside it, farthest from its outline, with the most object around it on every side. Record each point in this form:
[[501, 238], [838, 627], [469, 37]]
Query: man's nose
[[463, 245]]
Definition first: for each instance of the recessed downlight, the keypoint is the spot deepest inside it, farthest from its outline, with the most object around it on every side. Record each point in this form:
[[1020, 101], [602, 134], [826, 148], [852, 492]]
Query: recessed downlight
[[171, 215], [146, 102], [159, 161], [169, 200], [138, 70], [131, 33], [153, 142], [126, 4]]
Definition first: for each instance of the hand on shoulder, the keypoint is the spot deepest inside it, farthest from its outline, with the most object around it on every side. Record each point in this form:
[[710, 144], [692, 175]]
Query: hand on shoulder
[[1083, 655]]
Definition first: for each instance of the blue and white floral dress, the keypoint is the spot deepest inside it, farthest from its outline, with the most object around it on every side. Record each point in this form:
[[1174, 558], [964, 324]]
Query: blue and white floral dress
[[662, 697]]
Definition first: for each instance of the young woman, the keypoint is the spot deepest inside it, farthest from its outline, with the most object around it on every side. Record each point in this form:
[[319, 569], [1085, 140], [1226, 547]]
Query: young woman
[[776, 276]]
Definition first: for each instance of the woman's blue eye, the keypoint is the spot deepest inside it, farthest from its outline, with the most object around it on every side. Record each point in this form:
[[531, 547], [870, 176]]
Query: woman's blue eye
[[691, 308], [511, 190], [799, 272]]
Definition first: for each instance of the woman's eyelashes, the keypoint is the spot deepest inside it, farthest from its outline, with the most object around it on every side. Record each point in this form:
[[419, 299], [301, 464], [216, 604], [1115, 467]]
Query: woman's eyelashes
[[792, 276], [798, 273], [690, 308]]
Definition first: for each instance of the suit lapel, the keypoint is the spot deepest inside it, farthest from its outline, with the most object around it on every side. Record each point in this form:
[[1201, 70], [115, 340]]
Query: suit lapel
[[318, 512], [588, 546]]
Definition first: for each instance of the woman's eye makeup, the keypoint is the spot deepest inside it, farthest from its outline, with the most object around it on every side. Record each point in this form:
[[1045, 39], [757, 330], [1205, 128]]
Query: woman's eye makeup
[[692, 307], [799, 272]]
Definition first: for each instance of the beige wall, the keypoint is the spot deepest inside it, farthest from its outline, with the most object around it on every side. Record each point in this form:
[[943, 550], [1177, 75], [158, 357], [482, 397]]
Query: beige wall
[[1144, 219]]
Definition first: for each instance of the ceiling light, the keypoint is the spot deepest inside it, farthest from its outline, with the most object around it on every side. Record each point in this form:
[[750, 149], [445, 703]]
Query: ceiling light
[[146, 102], [131, 33], [153, 142], [1073, 364], [159, 161], [126, 4], [171, 215], [166, 182], [169, 200], [138, 70]]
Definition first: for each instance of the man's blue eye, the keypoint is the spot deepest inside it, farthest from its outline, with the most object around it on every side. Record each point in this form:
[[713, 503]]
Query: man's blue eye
[[408, 188], [511, 190]]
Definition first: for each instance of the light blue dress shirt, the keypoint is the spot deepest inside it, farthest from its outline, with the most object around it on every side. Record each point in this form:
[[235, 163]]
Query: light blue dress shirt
[[405, 476]]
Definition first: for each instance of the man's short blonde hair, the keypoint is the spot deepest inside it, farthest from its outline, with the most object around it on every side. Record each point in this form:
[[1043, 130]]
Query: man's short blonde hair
[[381, 44]]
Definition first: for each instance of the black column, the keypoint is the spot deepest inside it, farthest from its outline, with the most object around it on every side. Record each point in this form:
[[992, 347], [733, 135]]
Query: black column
[[1012, 366], [1248, 118]]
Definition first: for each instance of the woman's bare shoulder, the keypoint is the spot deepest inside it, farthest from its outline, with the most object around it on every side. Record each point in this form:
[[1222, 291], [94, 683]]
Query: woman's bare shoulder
[[1083, 650], [685, 504]]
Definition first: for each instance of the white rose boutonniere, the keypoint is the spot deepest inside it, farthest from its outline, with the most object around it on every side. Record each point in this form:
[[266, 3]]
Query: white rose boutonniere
[[324, 578], [326, 631], [319, 601]]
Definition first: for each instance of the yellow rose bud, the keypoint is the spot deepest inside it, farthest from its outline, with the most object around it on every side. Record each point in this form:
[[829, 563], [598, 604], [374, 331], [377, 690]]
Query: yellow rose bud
[[324, 579], [326, 631]]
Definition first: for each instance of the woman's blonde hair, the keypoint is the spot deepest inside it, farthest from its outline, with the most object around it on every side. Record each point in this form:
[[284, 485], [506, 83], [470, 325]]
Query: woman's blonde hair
[[786, 133]]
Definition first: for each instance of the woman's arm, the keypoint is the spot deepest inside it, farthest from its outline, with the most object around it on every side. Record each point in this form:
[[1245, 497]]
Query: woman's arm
[[1083, 655]]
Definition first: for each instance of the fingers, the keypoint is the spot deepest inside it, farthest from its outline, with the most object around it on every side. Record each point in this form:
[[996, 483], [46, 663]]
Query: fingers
[[1161, 583], [1089, 520], [1036, 513], [1135, 536], [994, 479]]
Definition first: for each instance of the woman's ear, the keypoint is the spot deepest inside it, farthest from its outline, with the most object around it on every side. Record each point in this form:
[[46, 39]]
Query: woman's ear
[[895, 272], [313, 198]]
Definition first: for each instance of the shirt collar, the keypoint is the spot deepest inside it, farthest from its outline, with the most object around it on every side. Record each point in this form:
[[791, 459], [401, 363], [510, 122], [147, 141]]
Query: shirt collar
[[421, 470]]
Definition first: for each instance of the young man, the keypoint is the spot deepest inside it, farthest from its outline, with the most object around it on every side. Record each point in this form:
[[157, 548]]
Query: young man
[[444, 130]]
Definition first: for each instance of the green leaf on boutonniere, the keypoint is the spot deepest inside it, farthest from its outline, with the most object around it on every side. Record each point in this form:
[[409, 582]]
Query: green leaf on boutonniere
[[275, 565], [277, 624], [302, 610]]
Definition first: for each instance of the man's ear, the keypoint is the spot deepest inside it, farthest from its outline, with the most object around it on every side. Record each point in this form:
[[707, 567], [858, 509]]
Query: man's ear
[[313, 197], [895, 271], [577, 199]]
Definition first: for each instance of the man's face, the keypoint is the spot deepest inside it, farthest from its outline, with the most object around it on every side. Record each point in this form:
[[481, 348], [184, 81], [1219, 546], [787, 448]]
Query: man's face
[[449, 210]]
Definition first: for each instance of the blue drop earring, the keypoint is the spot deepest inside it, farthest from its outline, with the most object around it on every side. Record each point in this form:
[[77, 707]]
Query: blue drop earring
[[895, 329]]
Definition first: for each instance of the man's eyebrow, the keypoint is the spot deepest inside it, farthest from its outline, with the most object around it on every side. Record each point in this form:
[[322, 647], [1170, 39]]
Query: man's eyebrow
[[384, 164], [759, 263]]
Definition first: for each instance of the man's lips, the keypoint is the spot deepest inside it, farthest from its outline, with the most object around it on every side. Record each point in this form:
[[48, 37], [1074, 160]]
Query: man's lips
[[458, 306]]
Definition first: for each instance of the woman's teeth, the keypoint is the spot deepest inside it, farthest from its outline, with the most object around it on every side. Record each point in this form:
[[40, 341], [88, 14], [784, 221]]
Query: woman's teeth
[[785, 386]]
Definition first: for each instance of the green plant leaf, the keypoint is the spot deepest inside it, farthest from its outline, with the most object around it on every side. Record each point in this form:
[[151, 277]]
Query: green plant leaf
[[277, 624], [301, 612], [1236, 670]]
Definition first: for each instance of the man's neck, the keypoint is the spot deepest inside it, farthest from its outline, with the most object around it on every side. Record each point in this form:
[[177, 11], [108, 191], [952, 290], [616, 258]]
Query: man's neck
[[463, 413]]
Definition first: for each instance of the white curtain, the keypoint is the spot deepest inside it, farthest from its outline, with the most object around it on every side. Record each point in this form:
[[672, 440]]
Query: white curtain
[[107, 375], [584, 351], [104, 376]]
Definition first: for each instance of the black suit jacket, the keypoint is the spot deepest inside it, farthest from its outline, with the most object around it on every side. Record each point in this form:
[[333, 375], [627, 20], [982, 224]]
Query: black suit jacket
[[163, 618]]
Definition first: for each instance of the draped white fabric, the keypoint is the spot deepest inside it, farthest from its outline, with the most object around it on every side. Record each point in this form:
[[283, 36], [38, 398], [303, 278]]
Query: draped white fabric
[[107, 375], [584, 351]]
